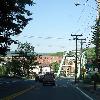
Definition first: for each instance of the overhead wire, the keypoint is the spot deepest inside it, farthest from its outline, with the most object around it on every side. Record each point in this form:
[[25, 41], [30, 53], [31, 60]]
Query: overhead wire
[[48, 37], [90, 40], [88, 24], [79, 19], [82, 11]]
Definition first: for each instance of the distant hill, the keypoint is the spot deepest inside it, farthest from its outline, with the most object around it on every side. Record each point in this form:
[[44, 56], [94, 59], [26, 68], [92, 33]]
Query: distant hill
[[46, 54], [10, 52], [52, 54]]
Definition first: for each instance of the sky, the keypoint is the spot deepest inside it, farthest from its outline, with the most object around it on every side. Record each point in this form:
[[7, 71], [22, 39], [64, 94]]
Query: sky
[[53, 23]]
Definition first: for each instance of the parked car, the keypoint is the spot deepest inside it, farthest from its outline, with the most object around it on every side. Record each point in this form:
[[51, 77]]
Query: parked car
[[36, 77], [40, 77], [49, 79]]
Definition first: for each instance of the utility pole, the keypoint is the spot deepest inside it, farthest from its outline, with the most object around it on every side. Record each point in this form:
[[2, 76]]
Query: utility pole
[[76, 38], [81, 50]]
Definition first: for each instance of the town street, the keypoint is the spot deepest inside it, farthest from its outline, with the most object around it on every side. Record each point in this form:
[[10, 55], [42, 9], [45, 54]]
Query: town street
[[64, 89], [9, 87]]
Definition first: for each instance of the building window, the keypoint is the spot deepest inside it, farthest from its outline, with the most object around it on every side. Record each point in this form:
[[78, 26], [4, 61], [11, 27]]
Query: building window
[[70, 63]]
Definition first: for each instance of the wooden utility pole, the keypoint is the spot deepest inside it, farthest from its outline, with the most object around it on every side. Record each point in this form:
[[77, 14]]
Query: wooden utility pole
[[76, 38], [82, 41]]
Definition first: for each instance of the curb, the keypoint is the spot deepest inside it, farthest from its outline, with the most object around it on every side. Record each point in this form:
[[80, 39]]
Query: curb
[[90, 98]]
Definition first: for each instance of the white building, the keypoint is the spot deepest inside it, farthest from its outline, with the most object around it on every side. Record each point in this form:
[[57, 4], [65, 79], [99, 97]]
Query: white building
[[46, 69], [35, 69]]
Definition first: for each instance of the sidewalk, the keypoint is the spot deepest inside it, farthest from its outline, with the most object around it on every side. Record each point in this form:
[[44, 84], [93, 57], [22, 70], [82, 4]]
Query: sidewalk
[[89, 89]]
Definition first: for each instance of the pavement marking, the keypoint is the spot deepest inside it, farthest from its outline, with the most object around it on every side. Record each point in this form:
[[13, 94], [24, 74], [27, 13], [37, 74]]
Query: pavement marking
[[14, 81], [25, 80], [7, 82], [65, 86], [84, 93], [11, 97]]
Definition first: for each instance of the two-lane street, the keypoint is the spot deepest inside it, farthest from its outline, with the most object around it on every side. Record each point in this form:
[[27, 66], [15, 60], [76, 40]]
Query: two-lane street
[[9, 87], [62, 90]]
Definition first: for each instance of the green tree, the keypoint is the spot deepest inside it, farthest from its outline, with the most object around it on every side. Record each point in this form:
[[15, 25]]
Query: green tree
[[90, 53], [96, 41], [2, 70], [8, 66], [71, 54], [29, 57], [55, 54], [13, 18], [55, 66], [96, 32], [16, 66], [3, 66]]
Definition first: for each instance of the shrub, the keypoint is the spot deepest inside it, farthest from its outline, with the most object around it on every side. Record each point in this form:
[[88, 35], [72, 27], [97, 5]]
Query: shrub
[[87, 79]]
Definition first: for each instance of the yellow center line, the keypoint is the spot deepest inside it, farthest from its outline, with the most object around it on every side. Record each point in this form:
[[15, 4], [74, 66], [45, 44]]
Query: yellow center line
[[11, 97]]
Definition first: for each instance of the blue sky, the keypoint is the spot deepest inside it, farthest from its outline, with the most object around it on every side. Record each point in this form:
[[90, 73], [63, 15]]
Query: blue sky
[[54, 21]]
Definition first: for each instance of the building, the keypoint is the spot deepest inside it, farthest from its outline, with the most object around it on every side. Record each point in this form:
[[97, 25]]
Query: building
[[45, 62], [35, 69], [49, 59], [68, 67]]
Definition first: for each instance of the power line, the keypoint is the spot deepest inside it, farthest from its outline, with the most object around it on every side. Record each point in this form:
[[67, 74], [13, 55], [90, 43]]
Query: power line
[[60, 38], [80, 17]]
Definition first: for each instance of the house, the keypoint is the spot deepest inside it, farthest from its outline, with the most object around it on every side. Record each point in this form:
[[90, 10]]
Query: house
[[35, 69], [46, 70], [45, 62], [68, 67]]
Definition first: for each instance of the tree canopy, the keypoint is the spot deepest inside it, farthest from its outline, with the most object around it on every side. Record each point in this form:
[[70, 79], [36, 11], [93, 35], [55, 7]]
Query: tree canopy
[[96, 41], [71, 54], [13, 18], [55, 54], [22, 63], [55, 66], [90, 53]]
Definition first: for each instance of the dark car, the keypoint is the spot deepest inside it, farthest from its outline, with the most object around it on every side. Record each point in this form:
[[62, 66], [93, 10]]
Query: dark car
[[36, 77], [40, 77], [49, 79]]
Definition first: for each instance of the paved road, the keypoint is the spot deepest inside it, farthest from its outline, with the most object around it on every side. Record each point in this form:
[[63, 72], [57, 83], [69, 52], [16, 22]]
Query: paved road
[[63, 90], [11, 86]]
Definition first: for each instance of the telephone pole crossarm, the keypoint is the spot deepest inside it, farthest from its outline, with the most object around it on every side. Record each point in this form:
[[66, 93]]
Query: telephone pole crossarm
[[76, 35]]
